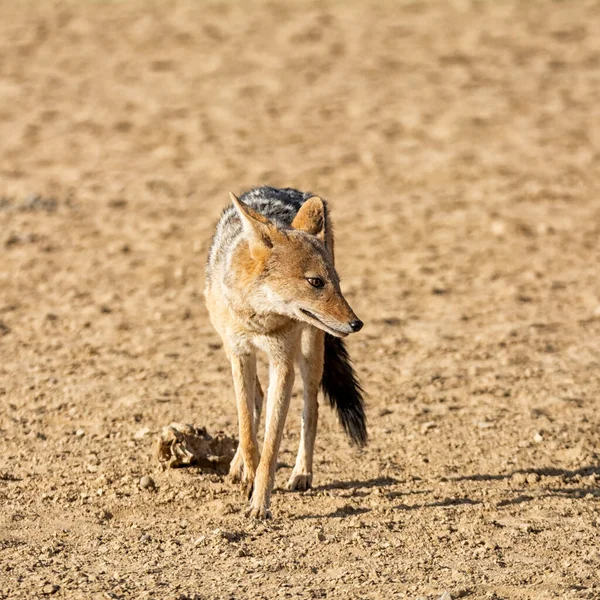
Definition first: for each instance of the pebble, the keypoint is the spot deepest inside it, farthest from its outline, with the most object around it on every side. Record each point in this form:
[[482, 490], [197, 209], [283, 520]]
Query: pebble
[[50, 589], [80, 433], [427, 426], [439, 289], [141, 433], [145, 538], [226, 508], [537, 438], [104, 515], [147, 483], [533, 478], [497, 228], [320, 535], [445, 596], [520, 478], [230, 536]]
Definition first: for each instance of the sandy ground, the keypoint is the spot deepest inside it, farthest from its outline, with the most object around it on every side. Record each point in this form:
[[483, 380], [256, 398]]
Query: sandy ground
[[458, 144]]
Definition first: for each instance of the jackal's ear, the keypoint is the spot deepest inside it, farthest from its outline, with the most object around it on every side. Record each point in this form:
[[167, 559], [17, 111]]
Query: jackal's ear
[[312, 218], [258, 229]]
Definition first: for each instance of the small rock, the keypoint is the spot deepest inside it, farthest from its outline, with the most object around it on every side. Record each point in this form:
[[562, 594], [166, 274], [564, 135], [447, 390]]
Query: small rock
[[79, 433], [543, 228], [226, 508], [147, 483], [445, 596], [427, 426], [230, 536], [533, 478], [537, 438], [520, 478], [50, 589], [145, 538], [320, 535], [498, 228], [439, 289], [141, 433], [200, 541], [104, 515]]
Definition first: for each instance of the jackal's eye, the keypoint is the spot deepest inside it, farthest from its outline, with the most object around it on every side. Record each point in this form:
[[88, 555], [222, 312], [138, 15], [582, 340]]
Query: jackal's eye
[[315, 282]]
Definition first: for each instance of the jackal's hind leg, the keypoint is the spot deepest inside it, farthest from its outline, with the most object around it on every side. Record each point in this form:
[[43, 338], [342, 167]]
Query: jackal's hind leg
[[236, 468], [311, 368]]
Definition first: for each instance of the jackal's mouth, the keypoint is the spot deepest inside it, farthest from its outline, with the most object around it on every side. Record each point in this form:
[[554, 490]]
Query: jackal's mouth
[[325, 326], [311, 315]]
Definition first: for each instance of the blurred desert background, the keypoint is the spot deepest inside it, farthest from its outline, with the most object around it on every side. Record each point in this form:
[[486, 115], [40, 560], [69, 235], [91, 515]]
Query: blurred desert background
[[458, 143]]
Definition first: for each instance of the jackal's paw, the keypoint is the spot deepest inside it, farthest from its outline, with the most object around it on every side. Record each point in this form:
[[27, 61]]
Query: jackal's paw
[[258, 512], [300, 482], [247, 483], [236, 469]]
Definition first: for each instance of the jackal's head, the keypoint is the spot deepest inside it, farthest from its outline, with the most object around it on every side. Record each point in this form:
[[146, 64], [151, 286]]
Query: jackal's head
[[290, 271]]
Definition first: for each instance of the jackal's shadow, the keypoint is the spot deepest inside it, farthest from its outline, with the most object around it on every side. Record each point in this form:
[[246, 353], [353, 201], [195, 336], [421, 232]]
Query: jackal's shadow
[[378, 482]]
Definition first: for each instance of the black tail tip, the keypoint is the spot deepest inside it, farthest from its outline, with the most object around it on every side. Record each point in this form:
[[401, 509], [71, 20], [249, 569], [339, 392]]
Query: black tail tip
[[358, 435], [341, 387]]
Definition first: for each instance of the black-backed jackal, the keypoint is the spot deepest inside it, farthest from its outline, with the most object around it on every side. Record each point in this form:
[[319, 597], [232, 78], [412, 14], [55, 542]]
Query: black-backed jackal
[[271, 285]]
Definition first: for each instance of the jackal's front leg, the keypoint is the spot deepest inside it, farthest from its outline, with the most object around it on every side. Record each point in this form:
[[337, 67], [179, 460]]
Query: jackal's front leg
[[243, 368], [236, 468], [312, 351], [278, 401]]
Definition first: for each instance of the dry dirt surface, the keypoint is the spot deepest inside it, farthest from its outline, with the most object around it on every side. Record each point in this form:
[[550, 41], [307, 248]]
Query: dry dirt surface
[[458, 143]]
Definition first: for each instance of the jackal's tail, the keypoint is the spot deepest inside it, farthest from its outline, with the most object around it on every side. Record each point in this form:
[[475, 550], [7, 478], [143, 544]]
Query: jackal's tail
[[341, 387]]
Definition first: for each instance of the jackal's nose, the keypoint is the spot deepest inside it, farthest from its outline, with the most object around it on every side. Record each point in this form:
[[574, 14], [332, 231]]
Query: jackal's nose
[[356, 325]]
